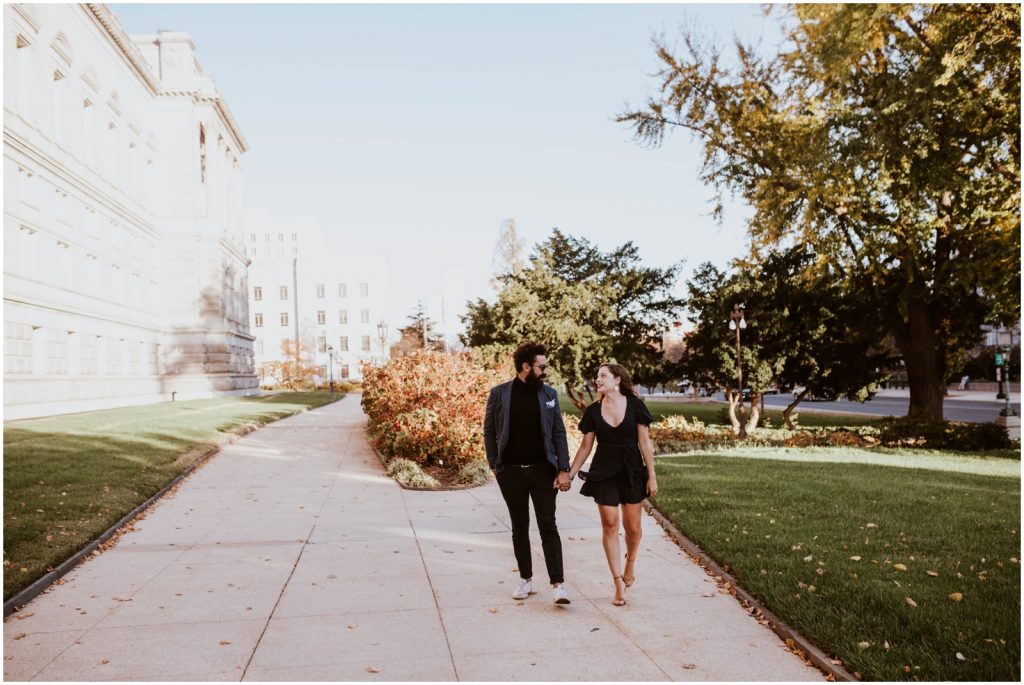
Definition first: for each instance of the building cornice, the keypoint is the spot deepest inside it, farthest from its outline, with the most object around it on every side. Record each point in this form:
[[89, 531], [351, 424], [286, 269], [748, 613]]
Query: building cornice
[[102, 15], [16, 143]]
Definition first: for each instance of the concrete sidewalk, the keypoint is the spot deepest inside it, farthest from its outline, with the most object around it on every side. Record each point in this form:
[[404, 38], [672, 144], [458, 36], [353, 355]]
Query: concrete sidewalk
[[290, 556]]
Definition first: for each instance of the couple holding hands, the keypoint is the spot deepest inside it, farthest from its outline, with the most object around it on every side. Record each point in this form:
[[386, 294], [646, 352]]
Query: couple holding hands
[[528, 453]]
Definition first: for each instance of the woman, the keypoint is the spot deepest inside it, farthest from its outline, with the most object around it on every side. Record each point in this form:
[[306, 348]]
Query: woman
[[622, 472]]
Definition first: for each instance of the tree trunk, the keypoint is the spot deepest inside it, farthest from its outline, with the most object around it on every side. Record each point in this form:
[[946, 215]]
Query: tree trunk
[[736, 400], [577, 400], [755, 410], [791, 407], [925, 360]]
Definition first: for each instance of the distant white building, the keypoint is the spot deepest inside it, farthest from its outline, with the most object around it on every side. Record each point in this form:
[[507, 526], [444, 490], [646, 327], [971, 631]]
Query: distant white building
[[124, 268], [299, 287]]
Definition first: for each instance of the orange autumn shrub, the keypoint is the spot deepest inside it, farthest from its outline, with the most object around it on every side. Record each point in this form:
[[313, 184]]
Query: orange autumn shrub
[[428, 407]]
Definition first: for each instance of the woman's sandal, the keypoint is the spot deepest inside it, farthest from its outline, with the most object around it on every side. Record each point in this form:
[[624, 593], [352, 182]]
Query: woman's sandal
[[618, 602], [632, 579]]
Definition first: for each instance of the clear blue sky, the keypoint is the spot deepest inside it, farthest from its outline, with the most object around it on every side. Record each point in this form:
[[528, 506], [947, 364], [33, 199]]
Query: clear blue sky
[[414, 130]]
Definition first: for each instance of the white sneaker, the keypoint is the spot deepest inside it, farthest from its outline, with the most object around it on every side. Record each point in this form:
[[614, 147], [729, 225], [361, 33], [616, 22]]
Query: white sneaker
[[524, 591], [561, 596]]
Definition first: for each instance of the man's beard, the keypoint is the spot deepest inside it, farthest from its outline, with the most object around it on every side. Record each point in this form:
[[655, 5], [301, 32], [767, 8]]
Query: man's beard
[[534, 381]]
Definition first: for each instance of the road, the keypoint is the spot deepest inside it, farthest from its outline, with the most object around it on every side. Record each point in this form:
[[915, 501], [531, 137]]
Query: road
[[973, 411]]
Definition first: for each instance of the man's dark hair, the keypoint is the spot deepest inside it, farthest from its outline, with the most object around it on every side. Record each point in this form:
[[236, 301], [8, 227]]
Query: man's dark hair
[[527, 353]]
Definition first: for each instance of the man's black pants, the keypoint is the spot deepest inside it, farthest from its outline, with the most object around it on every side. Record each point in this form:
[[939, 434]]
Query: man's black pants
[[520, 484]]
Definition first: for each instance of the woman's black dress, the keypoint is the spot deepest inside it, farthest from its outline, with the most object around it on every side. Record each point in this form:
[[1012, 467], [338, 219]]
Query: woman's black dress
[[617, 472]]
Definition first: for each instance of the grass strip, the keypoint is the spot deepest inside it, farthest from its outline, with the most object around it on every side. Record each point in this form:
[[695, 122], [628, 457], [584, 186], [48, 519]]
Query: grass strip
[[69, 478], [904, 574], [714, 414]]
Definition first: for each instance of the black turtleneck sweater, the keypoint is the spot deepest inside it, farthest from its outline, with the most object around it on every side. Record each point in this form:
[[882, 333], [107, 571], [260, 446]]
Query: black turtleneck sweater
[[525, 437]]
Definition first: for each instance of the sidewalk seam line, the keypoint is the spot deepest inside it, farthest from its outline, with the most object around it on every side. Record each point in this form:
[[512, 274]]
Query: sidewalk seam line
[[426, 571], [288, 580]]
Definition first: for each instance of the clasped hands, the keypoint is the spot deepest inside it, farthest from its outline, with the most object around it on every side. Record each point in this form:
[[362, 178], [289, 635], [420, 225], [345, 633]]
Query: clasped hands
[[563, 481]]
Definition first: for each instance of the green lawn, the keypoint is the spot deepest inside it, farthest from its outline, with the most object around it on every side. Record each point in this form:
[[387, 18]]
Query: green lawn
[[711, 413], [820, 543], [69, 478]]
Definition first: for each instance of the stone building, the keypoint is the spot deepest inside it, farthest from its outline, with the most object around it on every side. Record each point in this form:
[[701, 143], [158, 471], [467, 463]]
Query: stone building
[[333, 301], [124, 267]]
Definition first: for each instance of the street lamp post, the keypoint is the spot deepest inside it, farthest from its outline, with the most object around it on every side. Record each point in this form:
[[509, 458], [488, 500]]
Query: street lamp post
[[1004, 342], [738, 323], [382, 336], [330, 354]]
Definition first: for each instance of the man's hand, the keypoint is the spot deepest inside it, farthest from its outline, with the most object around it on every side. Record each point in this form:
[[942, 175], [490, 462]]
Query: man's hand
[[562, 481]]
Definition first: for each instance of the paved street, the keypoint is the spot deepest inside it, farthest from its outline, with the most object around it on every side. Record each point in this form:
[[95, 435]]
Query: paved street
[[289, 556], [961, 406]]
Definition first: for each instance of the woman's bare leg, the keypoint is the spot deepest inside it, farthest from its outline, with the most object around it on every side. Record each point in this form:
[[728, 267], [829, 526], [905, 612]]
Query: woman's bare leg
[[612, 550], [631, 514]]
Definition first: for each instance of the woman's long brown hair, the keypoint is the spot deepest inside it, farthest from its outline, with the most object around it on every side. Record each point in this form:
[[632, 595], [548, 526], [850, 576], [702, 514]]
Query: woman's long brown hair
[[625, 382]]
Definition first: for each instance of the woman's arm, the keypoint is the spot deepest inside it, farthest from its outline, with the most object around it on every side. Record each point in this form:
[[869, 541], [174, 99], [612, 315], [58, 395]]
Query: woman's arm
[[581, 454], [647, 449]]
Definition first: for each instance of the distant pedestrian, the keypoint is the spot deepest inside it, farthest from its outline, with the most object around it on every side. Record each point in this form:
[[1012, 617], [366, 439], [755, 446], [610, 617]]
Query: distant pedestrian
[[622, 472], [964, 382], [528, 453]]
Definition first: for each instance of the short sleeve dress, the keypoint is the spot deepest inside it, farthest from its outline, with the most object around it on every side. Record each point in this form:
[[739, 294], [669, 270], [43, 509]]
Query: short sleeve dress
[[617, 474]]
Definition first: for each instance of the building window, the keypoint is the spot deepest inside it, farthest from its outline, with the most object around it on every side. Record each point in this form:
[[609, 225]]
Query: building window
[[259, 320], [364, 289], [257, 293], [343, 343], [252, 237], [366, 343], [344, 370], [284, 292], [266, 237], [284, 318], [321, 343], [295, 236], [342, 316], [321, 317], [364, 315], [258, 347], [342, 290], [280, 237], [319, 289]]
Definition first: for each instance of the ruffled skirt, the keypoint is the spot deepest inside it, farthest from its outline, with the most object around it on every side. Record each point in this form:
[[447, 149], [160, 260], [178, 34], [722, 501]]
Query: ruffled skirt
[[618, 489]]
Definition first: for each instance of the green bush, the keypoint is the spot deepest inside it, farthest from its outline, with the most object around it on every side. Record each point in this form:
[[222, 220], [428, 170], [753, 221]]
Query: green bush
[[953, 435], [409, 473], [474, 473]]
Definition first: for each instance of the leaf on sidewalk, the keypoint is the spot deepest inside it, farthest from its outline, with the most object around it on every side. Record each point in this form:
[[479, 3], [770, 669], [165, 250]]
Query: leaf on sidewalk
[[371, 669]]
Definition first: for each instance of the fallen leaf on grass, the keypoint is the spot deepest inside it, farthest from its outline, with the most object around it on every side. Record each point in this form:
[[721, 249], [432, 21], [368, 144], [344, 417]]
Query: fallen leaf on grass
[[863, 645], [956, 597], [960, 657], [933, 574], [872, 525], [854, 558], [900, 567], [911, 602]]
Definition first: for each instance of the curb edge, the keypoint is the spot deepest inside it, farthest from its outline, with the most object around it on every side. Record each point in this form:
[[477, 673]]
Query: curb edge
[[811, 653]]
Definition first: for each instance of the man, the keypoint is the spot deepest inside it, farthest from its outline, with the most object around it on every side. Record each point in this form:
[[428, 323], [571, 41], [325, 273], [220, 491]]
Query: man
[[527, 450]]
